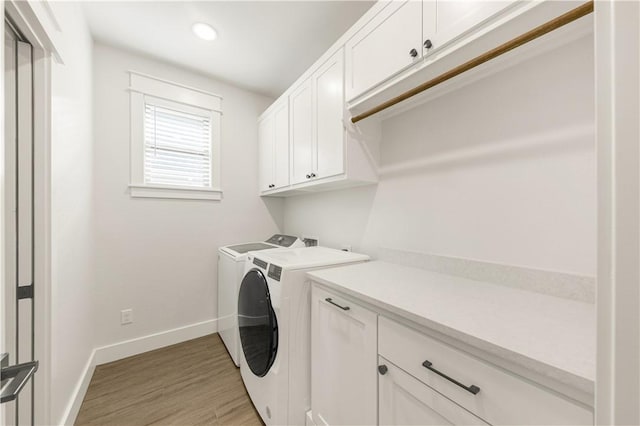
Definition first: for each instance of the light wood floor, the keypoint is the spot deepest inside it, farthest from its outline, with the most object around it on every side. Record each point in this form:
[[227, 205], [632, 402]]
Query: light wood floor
[[191, 383]]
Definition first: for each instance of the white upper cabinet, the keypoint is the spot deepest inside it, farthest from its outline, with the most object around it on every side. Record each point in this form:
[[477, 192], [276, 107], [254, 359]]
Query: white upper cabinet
[[328, 84], [316, 153], [445, 20], [273, 148], [384, 46], [404, 32], [301, 124], [281, 146], [317, 131], [316, 123], [265, 152]]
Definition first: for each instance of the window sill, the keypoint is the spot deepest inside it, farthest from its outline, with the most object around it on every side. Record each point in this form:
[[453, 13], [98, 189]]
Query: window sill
[[175, 192]]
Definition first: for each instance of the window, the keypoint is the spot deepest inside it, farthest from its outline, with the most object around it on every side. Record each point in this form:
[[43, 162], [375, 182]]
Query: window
[[177, 146], [174, 140]]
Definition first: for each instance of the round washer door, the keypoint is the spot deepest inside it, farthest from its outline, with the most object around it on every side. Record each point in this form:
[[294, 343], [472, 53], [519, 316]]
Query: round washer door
[[257, 323]]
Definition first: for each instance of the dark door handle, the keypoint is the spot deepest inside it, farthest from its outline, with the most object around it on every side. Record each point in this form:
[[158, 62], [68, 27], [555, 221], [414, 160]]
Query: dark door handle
[[19, 375], [428, 44], [330, 300], [382, 369], [429, 366], [308, 176], [413, 53]]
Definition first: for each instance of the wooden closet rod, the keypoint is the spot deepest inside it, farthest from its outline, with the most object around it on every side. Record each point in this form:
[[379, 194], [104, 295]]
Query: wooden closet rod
[[543, 29]]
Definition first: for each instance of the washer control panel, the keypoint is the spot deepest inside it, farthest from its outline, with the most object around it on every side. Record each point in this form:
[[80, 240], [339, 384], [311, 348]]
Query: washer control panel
[[275, 272], [283, 240], [260, 263]]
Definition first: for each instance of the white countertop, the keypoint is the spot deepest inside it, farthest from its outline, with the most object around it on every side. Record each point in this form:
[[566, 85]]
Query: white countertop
[[551, 336]]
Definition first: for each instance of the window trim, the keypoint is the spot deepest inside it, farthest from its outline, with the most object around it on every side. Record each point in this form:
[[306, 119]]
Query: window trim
[[183, 98]]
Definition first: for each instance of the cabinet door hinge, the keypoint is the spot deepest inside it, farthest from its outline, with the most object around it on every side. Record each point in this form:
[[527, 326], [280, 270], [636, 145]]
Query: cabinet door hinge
[[25, 292]]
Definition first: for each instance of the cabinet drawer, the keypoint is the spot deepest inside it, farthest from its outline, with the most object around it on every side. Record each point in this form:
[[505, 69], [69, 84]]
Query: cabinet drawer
[[502, 397], [405, 400]]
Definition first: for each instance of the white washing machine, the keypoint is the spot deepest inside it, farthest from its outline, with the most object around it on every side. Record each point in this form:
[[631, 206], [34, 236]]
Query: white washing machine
[[231, 261], [274, 318]]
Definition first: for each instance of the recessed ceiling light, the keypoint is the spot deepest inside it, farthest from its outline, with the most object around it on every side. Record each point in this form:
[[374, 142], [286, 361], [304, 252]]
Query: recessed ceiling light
[[204, 31]]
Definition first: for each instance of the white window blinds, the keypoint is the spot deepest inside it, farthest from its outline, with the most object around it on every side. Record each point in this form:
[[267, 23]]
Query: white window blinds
[[177, 147]]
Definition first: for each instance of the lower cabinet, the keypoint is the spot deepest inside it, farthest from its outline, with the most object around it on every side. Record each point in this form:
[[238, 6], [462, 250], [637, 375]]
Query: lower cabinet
[[483, 389], [343, 361], [369, 369], [404, 400]]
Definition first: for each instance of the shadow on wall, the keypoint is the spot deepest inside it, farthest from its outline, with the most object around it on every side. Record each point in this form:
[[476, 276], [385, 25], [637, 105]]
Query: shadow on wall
[[338, 218], [275, 207], [534, 108], [541, 145]]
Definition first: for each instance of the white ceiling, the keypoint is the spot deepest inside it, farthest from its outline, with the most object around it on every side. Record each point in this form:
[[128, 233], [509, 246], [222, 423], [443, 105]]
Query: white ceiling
[[263, 46]]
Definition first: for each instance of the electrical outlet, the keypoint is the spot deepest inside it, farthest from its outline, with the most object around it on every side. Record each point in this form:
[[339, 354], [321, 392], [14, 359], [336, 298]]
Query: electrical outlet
[[126, 316]]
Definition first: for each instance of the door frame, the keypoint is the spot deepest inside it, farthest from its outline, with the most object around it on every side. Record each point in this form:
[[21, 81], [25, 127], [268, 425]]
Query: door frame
[[37, 23], [617, 61]]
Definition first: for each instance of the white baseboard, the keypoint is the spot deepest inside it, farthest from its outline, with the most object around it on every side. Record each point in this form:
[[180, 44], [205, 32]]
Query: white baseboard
[[120, 350], [73, 407], [150, 342]]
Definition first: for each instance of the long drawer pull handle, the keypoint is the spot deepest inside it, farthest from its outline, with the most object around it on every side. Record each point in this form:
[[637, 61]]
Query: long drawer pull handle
[[330, 300], [429, 366]]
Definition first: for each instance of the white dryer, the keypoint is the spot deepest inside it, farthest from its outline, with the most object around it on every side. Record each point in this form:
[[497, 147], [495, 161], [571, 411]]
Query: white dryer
[[274, 318], [230, 272]]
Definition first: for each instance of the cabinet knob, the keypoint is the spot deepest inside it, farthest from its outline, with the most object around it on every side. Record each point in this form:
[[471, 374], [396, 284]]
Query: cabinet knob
[[382, 369], [428, 44], [308, 176], [413, 53], [312, 175]]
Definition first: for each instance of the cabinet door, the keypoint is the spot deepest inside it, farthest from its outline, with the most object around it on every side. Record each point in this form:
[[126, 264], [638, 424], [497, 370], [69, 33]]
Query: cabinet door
[[445, 20], [383, 46], [301, 117], [404, 400], [329, 129], [281, 146], [343, 361], [265, 152]]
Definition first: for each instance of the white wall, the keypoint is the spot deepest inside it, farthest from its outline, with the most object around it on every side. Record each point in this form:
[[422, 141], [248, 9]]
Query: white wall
[[159, 257], [502, 171], [72, 243]]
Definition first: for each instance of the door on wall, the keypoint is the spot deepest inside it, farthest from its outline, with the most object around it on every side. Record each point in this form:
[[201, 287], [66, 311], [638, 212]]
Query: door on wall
[[17, 347]]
